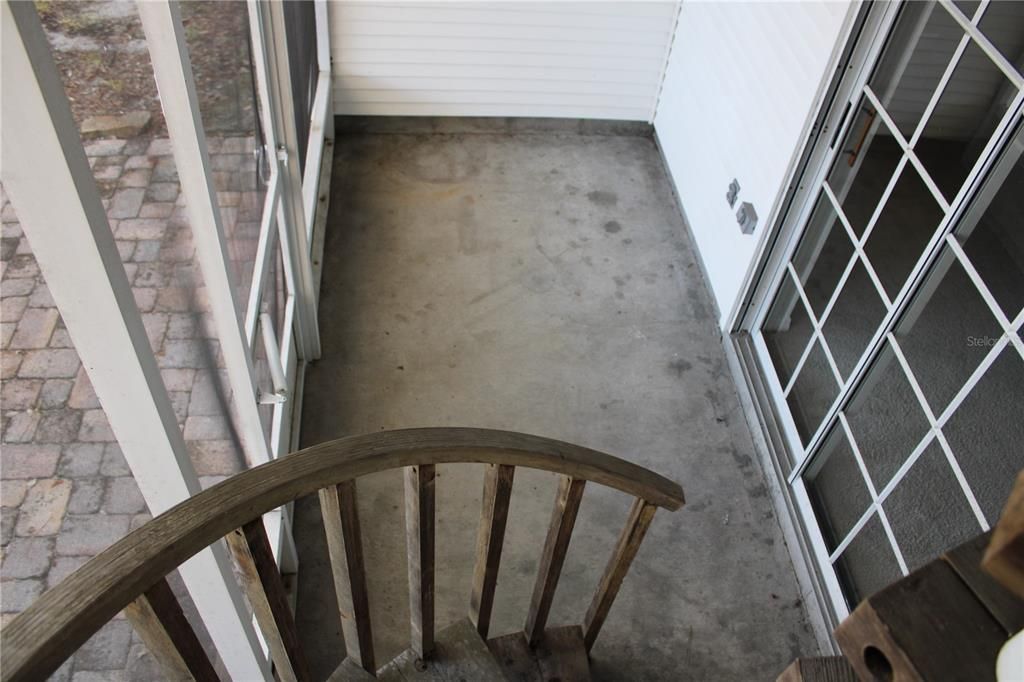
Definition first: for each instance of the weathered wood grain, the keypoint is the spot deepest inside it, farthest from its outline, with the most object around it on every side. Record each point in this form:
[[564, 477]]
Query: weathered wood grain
[[490, 538], [338, 505], [562, 655], [819, 669], [1004, 558], [926, 626], [640, 516], [563, 518], [517, 660], [157, 616], [419, 536], [459, 656], [37, 641], [262, 583], [1005, 606]]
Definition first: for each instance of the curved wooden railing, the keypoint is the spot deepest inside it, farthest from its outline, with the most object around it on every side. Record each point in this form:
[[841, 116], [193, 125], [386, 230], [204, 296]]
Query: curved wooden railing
[[131, 573]]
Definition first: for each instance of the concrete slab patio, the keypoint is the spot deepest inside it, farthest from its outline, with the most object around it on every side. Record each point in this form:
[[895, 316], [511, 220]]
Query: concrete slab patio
[[543, 282]]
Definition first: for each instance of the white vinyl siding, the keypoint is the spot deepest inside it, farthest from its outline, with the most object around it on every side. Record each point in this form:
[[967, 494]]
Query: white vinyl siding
[[563, 59], [741, 84]]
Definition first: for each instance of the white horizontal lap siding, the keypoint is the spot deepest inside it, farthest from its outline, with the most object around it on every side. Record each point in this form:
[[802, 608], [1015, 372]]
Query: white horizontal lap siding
[[588, 59], [742, 80]]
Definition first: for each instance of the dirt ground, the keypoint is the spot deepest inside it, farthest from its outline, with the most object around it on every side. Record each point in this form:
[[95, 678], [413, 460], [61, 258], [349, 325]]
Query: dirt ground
[[101, 52]]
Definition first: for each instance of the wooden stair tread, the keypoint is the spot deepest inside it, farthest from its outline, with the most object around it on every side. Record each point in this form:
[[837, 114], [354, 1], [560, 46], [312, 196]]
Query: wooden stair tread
[[561, 655], [515, 658], [349, 671], [819, 669], [460, 655]]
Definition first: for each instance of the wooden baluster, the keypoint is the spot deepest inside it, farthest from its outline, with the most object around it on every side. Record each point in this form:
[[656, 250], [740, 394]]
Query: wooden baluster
[[419, 535], [345, 545], [640, 516], [160, 622], [263, 585], [497, 492], [563, 518]]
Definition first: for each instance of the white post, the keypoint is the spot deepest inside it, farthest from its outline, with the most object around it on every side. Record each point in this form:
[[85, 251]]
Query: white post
[[47, 177]]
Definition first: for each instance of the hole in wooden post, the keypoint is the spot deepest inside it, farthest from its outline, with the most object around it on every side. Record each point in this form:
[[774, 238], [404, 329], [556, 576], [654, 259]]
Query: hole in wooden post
[[878, 665]]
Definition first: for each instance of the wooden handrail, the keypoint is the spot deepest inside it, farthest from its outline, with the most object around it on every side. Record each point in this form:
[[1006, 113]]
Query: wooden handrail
[[39, 639]]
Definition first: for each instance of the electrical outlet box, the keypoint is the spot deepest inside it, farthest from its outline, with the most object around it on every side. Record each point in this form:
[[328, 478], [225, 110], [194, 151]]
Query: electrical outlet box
[[732, 193], [746, 216]]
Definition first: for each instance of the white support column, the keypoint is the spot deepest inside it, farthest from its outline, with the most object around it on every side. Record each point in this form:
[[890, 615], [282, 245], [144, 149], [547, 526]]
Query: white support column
[[279, 75], [172, 69], [47, 177]]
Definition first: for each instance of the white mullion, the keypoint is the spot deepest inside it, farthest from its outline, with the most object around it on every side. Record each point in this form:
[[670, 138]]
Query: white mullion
[[964, 485], [264, 254], [972, 381], [983, 289], [922, 171], [262, 79], [985, 45], [810, 341], [315, 150], [986, 293], [927, 178], [940, 89], [1017, 325], [898, 352], [972, 501], [817, 328], [323, 35], [857, 527], [800, 364], [883, 200], [293, 228], [858, 248], [882, 516]]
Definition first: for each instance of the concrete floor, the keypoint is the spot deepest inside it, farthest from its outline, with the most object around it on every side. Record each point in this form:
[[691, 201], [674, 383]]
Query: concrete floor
[[543, 282]]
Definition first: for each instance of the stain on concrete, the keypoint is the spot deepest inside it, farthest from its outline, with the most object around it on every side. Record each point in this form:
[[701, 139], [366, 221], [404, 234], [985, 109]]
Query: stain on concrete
[[612, 226], [603, 198], [439, 160], [679, 367]]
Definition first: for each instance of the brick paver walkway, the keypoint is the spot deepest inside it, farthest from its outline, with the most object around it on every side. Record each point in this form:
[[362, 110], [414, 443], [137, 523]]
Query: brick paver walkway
[[67, 492]]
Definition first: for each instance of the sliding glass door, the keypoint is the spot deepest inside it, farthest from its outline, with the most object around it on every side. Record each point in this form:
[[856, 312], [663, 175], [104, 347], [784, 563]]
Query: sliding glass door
[[890, 341]]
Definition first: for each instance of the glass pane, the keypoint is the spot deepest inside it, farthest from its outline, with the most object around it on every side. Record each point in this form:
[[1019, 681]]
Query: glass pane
[[916, 56], [927, 510], [813, 393], [906, 224], [864, 167], [823, 255], [1003, 24], [854, 319], [787, 330], [885, 418], [946, 332], [968, 7], [996, 245], [986, 433], [966, 115], [868, 563], [836, 488], [217, 36]]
